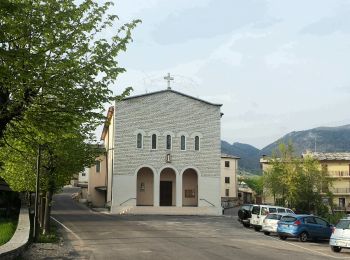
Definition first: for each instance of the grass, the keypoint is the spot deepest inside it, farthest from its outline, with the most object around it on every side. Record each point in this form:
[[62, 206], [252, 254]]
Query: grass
[[52, 237], [7, 229]]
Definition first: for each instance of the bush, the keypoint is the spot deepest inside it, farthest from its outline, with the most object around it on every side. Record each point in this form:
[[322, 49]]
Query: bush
[[334, 218]]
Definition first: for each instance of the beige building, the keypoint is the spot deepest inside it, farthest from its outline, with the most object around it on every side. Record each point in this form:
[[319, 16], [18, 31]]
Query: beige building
[[338, 167], [97, 188], [229, 187]]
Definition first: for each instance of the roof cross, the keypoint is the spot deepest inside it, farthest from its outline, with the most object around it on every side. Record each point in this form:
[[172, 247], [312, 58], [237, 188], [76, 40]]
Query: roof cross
[[168, 78]]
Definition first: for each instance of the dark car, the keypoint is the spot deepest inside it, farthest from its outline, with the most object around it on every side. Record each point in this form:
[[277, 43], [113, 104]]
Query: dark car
[[244, 214], [304, 227]]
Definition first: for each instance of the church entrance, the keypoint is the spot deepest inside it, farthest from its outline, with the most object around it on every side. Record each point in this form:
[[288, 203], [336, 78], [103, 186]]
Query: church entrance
[[165, 193], [167, 187], [190, 188], [144, 192]]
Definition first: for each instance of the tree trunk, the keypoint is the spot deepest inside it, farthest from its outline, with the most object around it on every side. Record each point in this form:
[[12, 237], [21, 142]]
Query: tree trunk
[[42, 210], [46, 228]]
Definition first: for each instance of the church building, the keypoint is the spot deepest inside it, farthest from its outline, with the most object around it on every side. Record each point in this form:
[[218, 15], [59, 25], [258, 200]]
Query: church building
[[166, 157]]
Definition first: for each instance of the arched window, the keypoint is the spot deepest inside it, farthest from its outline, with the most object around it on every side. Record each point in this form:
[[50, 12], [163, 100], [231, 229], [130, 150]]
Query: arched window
[[196, 143], [139, 141], [183, 142], [154, 141], [168, 142]]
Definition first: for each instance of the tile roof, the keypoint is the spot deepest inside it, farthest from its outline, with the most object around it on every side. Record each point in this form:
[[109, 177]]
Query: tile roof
[[343, 156], [223, 155]]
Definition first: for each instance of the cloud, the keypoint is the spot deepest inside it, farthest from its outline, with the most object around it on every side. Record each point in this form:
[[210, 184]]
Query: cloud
[[340, 22], [216, 18]]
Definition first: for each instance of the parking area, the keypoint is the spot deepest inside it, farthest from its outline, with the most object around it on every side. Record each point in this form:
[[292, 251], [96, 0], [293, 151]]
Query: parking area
[[93, 235]]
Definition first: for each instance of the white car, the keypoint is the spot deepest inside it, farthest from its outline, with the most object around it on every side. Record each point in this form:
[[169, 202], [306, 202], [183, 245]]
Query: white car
[[259, 212], [340, 237], [270, 222]]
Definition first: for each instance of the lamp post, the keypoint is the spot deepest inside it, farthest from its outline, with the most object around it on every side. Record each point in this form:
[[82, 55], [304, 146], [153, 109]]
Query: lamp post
[[36, 222]]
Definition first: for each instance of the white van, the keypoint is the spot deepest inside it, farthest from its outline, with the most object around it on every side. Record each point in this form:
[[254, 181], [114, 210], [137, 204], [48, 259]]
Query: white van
[[259, 213]]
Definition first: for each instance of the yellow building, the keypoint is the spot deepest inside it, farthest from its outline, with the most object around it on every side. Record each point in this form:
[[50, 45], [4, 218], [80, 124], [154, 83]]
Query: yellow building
[[229, 185], [338, 168]]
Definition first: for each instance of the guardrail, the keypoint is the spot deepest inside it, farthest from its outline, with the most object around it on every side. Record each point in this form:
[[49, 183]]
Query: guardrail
[[340, 190]]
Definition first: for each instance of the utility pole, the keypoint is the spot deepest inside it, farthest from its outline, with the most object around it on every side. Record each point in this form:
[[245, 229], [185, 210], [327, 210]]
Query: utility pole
[[36, 215]]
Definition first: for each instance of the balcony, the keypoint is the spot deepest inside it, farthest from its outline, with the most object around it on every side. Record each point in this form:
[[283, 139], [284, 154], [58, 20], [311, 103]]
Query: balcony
[[345, 191], [339, 174]]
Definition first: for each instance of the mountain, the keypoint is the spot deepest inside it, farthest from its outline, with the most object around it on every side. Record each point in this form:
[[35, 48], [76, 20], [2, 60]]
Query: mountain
[[249, 155], [328, 139]]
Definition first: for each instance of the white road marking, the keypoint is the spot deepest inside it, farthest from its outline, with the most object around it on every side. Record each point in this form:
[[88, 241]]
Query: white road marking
[[302, 247], [68, 229]]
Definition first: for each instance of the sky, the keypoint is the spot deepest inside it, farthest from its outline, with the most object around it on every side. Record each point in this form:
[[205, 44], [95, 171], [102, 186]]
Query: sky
[[276, 65]]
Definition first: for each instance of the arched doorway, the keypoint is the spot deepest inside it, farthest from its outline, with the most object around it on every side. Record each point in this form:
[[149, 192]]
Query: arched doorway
[[190, 188], [144, 188], [167, 187]]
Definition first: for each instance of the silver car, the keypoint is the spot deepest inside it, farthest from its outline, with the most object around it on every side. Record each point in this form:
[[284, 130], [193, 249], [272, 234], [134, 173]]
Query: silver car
[[269, 224]]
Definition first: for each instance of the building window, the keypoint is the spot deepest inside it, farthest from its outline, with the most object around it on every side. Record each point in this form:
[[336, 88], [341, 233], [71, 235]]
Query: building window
[[183, 142], [227, 179], [227, 164], [196, 143], [139, 141], [227, 192], [154, 141], [83, 174], [98, 166], [168, 142]]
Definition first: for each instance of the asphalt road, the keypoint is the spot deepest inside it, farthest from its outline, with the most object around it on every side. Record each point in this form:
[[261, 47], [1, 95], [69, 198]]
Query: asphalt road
[[96, 235]]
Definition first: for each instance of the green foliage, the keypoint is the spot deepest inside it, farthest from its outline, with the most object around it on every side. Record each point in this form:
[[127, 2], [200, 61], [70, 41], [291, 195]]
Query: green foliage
[[55, 70], [52, 237], [255, 183], [296, 182], [335, 217], [7, 229]]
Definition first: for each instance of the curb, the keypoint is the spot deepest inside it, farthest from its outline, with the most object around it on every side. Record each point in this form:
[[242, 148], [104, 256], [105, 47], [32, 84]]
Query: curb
[[16, 245]]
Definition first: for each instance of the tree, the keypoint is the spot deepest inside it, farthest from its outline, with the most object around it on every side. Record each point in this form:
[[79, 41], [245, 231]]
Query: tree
[[54, 48], [296, 182], [55, 70]]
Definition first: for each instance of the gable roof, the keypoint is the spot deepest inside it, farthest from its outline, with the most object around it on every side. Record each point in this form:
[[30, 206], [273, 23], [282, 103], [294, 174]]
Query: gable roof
[[224, 155], [342, 156], [173, 91]]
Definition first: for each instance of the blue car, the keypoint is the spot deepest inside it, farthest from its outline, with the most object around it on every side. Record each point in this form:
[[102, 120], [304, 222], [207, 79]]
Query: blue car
[[304, 227]]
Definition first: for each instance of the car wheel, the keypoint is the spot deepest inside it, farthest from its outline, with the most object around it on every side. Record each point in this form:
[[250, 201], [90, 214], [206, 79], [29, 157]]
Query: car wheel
[[303, 237], [267, 233], [247, 225], [336, 249], [282, 237], [257, 228]]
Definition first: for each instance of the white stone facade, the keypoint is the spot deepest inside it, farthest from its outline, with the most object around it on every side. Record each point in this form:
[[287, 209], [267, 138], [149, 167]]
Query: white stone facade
[[167, 113]]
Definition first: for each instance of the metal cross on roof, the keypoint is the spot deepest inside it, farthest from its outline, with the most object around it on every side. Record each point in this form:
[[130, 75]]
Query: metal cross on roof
[[168, 78]]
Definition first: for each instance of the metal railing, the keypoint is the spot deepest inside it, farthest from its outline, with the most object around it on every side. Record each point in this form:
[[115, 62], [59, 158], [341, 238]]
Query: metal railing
[[339, 173], [127, 201], [208, 202], [340, 190]]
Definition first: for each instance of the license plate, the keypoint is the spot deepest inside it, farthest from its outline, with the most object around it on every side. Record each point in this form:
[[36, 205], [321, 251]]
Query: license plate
[[285, 225]]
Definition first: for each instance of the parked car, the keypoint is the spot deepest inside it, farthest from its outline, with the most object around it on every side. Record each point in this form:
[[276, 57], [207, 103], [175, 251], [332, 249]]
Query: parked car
[[304, 227], [340, 237], [270, 222], [259, 212], [244, 214]]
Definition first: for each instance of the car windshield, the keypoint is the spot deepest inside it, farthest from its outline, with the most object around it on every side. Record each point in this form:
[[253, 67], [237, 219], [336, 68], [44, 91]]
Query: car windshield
[[343, 224], [288, 219]]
